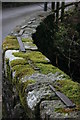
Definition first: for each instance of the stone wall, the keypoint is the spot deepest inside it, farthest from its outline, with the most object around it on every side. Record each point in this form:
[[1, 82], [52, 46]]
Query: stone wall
[[28, 76]]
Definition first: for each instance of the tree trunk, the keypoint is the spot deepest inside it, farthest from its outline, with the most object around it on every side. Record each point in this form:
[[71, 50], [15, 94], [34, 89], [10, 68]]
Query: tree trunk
[[45, 6], [53, 6], [62, 11], [57, 11]]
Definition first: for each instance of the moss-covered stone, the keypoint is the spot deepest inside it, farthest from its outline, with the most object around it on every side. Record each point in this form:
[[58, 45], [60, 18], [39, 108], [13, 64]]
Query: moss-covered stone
[[18, 62], [25, 84], [10, 42], [32, 55], [21, 90], [29, 44], [8, 71], [49, 68], [70, 89], [27, 40], [22, 70]]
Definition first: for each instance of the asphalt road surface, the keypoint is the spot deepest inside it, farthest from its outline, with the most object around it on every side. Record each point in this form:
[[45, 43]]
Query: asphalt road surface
[[11, 17]]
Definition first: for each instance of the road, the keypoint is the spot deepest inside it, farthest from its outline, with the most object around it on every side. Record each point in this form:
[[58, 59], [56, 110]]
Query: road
[[12, 17]]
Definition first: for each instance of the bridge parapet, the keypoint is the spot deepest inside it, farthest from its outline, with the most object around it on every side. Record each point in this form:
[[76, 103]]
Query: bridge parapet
[[30, 73]]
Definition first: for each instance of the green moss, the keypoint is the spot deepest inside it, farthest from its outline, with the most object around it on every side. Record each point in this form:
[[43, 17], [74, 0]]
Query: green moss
[[48, 68], [9, 72], [70, 89], [18, 62], [10, 42], [22, 70], [32, 55], [26, 40], [21, 89], [22, 98], [25, 84], [20, 54], [31, 44]]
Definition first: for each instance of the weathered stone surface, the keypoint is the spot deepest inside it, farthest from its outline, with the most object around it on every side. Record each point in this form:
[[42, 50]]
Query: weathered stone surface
[[31, 81], [29, 30], [33, 19], [17, 29], [48, 108], [52, 108], [29, 22], [21, 32], [10, 56], [23, 26], [49, 78], [34, 97], [25, 35], [30, 46]]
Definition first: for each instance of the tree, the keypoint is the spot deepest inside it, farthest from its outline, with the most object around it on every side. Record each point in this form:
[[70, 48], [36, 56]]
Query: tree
[[45, 6]]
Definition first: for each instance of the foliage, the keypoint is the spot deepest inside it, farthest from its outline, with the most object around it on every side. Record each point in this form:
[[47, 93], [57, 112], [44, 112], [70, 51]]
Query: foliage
[[61, 44]]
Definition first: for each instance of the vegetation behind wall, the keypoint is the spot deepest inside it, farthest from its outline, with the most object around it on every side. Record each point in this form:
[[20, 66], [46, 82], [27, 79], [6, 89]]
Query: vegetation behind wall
[[61, 42]]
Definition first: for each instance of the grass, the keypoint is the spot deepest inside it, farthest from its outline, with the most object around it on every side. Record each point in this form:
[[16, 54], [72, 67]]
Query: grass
[[10, 42]]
